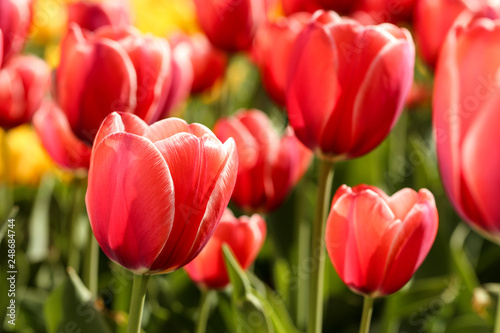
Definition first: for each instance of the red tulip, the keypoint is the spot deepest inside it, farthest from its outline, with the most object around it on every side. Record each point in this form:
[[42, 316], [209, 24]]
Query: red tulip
[[269, 166], [91, 15], [156, 194], [466, 118], [15, 21], [58, 139], [377, 242], [245, 236], [209, 63], [231, 24], [294, 6], [272, 48], [24, 80], [347, 84]]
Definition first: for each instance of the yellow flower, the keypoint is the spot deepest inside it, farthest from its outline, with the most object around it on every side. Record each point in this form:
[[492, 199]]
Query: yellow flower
[[26, 158], [162, 17]]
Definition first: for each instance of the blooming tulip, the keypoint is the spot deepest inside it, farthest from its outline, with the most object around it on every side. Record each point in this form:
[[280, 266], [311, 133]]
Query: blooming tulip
[[380, 11], [23, 82], [156, 194], [272, 47], [347, 84], [15, 21], [93, 15], [231, 24], [269, 166], [466, 118], [209, 63], [377, 242], [245, 236]]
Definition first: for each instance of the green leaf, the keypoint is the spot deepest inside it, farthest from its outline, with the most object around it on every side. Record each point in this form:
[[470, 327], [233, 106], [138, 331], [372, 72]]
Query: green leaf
[[70, 308], [250, 314]]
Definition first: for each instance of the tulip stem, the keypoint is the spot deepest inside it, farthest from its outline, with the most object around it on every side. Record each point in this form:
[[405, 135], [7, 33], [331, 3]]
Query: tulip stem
[[92, 263], [139, 287], [318, 246], [204, 307], [497, 319], [74, 219], [367, 315]]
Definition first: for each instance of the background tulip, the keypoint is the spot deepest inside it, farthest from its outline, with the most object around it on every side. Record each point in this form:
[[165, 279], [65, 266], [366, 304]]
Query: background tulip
[[231, 24], [156, 194], [91, 15], [208, 62], [244, 235], [393, 11], [376, 242], [269, 167], [15, 21], [24, 80], [272, 47], [465, 110], [347, 84]]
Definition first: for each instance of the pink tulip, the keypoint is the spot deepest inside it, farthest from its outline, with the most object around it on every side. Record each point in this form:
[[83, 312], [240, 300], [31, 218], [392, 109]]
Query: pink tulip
[[24, 80], [377, 242], [92, 15], [244, 236], [231, 24], [466, 118], [271, 50], [269, 166], [15, 21], [156, 194], [347, 84]]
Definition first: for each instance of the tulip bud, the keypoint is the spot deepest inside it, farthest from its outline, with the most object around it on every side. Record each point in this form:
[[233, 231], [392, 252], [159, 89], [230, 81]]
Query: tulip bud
[[347, 84], [24, 80], [244, 235], [91, 15], [269, 166], [466, 118], [377, 242], [156, 193]]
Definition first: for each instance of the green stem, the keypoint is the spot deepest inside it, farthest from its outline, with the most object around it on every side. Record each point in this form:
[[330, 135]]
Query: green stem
[[76, 208], [303, 235], [139, 287], [204, 308], [91, 263], [318, 246], [367, 315]]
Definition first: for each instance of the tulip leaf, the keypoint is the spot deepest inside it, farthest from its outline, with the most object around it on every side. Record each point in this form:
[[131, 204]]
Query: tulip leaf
[[38, 246], [250, 313], [70, 308]]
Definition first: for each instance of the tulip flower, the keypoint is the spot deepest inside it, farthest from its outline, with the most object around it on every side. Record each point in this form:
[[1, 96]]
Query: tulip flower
[[231, 25], [380, 11], [466, 118], [347, 84], [91, 15], [272, 47], [24, 80], [294, 6], [377, 242], [269, 166], [245, 236], [15, 21], [209, 63], [156, 194]]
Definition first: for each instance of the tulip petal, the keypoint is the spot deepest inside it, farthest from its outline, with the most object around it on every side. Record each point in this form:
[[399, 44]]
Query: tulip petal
[[314, 55], [358, 221], [402, 202], [130, 224], [196, 166], [120, 122], [57, 138]]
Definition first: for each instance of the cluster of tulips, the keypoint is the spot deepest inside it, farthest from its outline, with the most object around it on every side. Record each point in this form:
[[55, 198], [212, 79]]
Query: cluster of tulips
[[341, 71]]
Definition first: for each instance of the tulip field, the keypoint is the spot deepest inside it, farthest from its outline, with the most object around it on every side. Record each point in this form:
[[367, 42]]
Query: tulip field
[[269, 166]]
